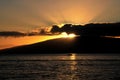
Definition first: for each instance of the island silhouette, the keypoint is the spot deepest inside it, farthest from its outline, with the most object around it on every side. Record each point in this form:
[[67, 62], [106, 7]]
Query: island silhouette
[[92, 39]]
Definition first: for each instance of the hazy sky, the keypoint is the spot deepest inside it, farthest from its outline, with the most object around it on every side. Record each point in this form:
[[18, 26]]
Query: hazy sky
[[25, 15]]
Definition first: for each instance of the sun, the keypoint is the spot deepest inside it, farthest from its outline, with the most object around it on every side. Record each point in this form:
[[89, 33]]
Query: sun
[[65, 35], [72, 35], [61, 25]]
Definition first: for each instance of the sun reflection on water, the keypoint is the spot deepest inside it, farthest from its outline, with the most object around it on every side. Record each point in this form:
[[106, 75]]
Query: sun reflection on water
[[72, 56], [73, 67]]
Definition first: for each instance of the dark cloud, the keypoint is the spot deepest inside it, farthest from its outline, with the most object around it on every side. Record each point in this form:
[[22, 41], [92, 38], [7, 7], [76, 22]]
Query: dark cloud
[[103, 29], [11, 34]]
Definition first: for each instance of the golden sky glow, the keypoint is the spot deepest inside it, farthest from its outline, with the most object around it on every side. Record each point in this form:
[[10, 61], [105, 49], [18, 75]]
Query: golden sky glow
[[12, 41], [26, 15], [33, 15]]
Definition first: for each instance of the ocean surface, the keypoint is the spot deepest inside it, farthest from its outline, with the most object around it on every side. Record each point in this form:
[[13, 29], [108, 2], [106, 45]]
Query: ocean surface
[[60, 67]]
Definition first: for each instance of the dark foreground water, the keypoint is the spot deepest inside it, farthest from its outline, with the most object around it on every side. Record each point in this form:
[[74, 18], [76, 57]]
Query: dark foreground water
[[60, 67]]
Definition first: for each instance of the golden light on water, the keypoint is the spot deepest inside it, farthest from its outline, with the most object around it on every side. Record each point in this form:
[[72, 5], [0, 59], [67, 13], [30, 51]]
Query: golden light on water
[[73, 65], [73, 57]]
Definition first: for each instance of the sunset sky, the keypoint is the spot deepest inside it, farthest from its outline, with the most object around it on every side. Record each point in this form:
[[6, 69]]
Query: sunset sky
[[27, 15]]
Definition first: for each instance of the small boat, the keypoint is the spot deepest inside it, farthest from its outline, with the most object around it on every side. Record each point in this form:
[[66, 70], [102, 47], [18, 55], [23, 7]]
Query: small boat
[[71, 54]]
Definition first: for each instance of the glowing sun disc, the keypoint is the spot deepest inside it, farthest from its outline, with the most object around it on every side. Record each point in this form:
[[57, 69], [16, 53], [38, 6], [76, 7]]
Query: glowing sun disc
[[71, 35], [65, 35]]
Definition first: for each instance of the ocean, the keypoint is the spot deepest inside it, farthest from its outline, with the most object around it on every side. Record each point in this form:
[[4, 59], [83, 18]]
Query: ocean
[[65, 66]]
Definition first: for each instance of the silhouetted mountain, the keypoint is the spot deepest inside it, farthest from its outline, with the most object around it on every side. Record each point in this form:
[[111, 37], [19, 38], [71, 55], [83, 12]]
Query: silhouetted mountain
[[69, 45], [90, 40]]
